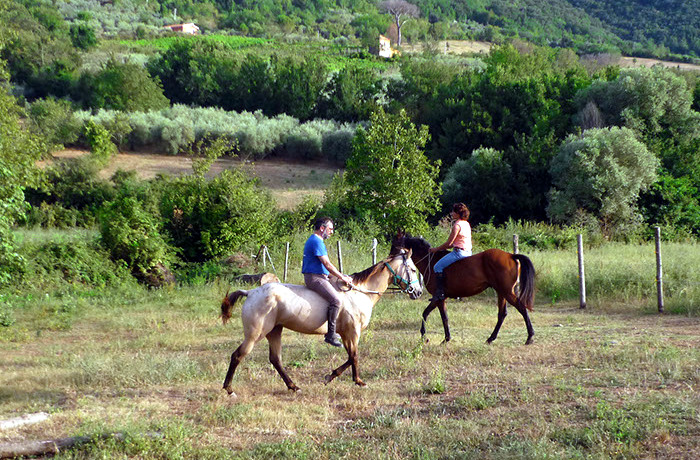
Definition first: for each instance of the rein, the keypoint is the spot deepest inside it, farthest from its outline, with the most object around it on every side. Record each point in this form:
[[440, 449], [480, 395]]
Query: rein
[[396, 280]]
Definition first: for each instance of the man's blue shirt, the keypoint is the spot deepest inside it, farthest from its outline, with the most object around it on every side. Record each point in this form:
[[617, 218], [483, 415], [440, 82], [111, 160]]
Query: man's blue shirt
[[313, 249]]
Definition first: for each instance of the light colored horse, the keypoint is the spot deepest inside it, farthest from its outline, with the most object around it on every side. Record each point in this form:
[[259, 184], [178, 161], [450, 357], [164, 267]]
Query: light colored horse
[[274, 306]]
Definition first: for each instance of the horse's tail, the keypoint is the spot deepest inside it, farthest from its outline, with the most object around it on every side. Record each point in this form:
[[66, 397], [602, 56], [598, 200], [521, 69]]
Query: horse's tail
[[228, 303], [527, 281]]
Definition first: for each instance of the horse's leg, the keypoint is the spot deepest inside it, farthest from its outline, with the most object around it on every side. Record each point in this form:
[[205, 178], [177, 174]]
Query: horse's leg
[[502, 313], [350, 340], [352, 354], [274, 338], [523, 311], [236, 359], [431, 306], [445, 321], [338, 371]]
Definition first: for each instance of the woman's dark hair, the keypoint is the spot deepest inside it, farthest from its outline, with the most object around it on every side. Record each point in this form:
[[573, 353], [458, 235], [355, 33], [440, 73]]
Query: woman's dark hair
[[462, 210], [321, 222]]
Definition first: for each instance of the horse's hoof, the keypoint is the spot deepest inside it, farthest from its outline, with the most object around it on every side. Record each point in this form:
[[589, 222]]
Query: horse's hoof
[[528, 342], [232, 395], [360, 383], [329, 378], [295, 389], [488, 342]]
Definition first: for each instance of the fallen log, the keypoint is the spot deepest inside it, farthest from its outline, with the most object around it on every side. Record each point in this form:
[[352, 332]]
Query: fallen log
[[54, 446]]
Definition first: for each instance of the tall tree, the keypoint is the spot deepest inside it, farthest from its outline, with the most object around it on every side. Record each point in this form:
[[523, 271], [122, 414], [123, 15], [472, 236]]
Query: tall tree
[[388, 176], [401, 10]]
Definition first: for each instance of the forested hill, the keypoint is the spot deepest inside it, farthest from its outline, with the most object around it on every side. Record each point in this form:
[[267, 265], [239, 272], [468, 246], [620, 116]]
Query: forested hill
[[671, 23], [647, 28]]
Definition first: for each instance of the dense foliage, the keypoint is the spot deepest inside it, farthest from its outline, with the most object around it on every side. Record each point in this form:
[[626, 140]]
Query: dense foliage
[[388, 179]]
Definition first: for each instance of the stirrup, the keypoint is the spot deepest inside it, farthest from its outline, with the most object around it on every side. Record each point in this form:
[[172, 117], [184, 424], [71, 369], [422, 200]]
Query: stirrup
[[332, 340]]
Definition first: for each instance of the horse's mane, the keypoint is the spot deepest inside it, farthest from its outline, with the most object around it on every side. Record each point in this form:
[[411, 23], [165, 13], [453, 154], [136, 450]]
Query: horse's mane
[[416, 243], [362, 276]]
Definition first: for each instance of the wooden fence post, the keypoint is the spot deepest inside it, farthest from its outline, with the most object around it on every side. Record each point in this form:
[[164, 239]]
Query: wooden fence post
[[515, 244], [659, 275], [286, 261], [374, 251], [581, 274], [340, 258]]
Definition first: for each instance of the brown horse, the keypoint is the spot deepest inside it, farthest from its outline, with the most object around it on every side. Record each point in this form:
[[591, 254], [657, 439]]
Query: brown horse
[[493, 268]]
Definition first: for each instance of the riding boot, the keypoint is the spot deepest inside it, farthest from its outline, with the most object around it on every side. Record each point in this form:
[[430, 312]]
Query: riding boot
[[440, 291], [331, 337]]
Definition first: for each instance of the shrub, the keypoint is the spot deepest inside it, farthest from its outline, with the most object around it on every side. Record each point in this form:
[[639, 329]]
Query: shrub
[[208, 219], [53, 121], [71, 195], [99, 140], [132, 234]]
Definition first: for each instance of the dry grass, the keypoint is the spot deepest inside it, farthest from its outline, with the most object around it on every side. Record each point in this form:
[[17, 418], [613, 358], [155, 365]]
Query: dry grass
[[289, 182], [615, 381]]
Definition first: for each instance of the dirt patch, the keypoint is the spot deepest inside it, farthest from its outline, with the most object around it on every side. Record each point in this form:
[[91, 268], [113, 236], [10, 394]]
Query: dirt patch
[[450, 46], [289, 182], [644, 62]]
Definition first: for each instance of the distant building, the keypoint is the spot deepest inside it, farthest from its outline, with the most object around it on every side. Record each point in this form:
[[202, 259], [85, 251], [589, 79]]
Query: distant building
[[385, 47], [186, 28]]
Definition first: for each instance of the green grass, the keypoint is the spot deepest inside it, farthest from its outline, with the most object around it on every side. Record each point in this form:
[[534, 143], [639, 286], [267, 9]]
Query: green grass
[[616, 380]]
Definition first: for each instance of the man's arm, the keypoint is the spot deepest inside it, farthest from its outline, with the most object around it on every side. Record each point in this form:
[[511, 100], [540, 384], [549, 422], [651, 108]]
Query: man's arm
[[334, 271]]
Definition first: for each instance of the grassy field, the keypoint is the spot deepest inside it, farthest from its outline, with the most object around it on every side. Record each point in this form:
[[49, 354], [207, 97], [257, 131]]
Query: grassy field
[[616, 380]]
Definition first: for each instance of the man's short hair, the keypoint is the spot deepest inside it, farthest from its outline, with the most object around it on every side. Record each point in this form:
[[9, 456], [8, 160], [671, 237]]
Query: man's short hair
[[322, 222]]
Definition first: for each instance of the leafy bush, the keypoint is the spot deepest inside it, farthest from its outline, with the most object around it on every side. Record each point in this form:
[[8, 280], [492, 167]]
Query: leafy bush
[[208, 219], [54, 122], [176, 129], [600, 173], [99, 139], [132, 234], [71, 195], [122, 86]]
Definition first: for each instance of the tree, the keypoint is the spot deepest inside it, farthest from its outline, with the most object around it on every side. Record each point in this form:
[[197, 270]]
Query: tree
[[600, 173], [124, 86], [351, 94], [401, 10], [19, 151], [83, 36], [388, 178], [484, 182]]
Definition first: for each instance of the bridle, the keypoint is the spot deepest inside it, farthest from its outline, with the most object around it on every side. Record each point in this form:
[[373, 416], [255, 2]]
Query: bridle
[[408, 284]]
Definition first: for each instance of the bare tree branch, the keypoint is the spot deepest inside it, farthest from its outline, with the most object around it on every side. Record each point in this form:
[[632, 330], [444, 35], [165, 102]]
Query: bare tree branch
[[399, 9]]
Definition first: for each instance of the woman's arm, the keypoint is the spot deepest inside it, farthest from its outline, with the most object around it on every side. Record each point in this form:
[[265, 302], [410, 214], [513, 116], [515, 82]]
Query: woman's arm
[[450, 239]]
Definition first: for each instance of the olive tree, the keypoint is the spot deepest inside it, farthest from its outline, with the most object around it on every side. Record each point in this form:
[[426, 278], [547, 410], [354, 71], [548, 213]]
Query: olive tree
[[600, 173]]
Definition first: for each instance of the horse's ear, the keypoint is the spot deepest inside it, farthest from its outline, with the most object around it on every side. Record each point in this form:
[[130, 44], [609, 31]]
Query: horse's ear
[[409, 253]]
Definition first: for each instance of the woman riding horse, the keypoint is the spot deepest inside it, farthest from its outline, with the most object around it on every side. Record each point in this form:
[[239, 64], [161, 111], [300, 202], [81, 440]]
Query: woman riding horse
[[492, 268]]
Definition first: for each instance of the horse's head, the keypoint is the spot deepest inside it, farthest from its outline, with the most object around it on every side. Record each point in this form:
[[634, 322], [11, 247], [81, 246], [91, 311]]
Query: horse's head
[[403, 240], [405, 273]]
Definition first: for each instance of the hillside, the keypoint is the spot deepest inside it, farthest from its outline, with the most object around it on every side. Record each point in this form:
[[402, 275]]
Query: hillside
[[645, 28]]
